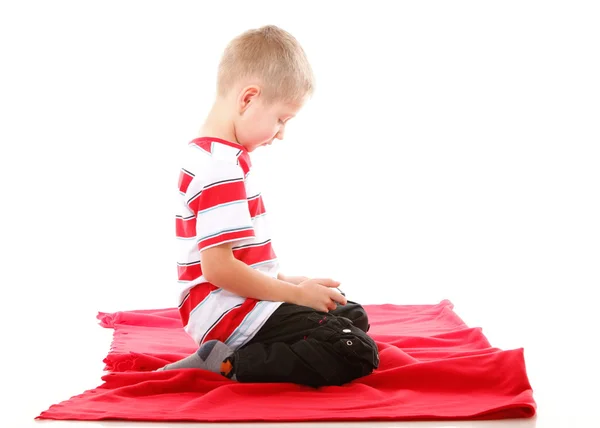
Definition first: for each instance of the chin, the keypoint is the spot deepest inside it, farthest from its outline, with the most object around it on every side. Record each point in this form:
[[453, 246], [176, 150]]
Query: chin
[[259, 145]]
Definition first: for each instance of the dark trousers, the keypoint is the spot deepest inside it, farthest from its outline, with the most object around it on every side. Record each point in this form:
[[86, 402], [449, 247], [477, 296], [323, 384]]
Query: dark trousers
[[300, 345]]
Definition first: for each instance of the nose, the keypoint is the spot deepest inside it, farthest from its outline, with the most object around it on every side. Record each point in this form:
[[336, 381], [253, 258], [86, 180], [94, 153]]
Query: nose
[[280, 134]]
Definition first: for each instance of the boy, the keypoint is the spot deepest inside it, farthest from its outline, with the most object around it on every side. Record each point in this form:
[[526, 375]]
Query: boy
[[252, 323]]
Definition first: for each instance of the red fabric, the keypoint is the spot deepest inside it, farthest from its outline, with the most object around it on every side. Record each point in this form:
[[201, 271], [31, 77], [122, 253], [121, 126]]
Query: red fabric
[[433, 366]]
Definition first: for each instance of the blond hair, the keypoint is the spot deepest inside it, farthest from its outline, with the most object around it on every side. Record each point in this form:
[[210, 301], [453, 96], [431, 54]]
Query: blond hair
[[274, 58]]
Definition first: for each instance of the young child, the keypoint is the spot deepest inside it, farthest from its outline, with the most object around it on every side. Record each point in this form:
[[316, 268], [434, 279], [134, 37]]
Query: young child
[[252, 323]]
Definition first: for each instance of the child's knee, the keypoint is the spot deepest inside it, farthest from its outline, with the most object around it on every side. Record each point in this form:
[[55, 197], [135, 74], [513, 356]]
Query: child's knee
[[358, 351], [360, 319]]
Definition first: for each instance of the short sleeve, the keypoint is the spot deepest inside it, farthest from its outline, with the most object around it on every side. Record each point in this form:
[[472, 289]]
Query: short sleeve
[[219, 201]]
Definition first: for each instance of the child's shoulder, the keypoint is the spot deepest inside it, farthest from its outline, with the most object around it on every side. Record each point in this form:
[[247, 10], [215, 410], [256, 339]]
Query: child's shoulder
[[213, 149], [209, 157]]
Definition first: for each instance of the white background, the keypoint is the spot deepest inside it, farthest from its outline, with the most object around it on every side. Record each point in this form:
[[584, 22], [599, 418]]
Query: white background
[[451, 151]]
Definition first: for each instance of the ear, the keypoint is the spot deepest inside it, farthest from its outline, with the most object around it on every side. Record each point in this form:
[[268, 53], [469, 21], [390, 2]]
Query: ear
[[247, 96]]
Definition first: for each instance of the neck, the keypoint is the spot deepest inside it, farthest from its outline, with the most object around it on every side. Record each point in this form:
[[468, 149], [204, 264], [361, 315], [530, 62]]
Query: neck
[[219, 123]]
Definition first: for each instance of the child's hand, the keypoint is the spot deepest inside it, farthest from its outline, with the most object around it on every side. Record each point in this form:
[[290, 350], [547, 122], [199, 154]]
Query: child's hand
[[320, 294]]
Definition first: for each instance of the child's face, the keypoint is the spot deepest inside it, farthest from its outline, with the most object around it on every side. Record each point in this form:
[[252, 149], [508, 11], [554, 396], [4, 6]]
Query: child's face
[[260, 123]]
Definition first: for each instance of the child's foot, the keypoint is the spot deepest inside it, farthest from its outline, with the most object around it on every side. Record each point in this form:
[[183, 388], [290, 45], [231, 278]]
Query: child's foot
[[214, 356]]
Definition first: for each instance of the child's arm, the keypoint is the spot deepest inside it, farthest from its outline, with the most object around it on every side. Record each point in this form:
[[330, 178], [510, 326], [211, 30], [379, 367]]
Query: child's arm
[[222, 269], [292, 279]]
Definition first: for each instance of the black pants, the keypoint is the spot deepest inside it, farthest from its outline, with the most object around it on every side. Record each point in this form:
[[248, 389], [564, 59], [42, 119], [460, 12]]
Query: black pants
[[300, 345]]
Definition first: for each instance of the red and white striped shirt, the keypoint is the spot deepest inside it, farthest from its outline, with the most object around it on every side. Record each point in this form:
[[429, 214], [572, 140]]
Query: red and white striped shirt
[[220, 203]]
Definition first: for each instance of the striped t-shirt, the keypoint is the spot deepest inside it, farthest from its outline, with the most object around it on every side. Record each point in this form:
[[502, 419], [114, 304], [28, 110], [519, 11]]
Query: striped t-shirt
[[220, 203]]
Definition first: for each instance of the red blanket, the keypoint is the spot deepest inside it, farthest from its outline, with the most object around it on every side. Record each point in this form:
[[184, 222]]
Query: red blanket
[[433, 366]]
